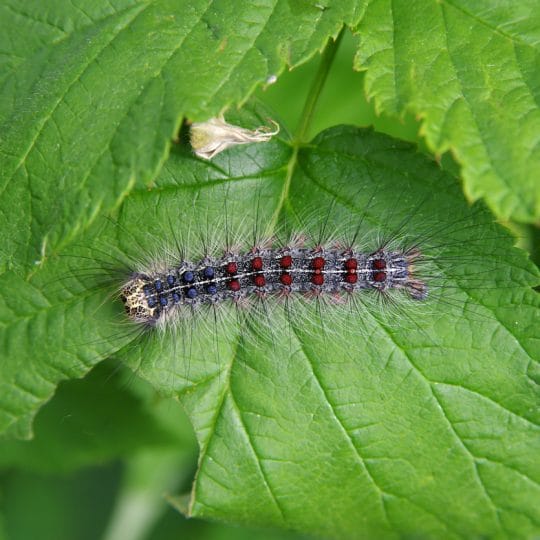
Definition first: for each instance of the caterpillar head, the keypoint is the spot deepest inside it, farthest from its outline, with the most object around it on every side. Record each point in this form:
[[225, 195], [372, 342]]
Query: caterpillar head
[[136, 303]]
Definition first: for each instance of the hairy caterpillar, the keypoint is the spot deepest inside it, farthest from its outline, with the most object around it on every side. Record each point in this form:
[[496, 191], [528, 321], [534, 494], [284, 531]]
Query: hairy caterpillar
[[150, 299], [228, 280]]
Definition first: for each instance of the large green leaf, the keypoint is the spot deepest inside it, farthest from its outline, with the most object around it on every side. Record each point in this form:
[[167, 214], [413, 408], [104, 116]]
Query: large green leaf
[[471, 71], [89, 106], [370, 420]]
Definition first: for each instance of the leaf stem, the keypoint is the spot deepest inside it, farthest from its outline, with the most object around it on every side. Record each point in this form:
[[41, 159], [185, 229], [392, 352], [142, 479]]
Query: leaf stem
[[316, 88], [305, 120]]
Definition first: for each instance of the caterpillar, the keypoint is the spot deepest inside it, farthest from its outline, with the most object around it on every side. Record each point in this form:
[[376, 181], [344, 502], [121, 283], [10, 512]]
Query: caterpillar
[[149, 299], [201, 289], [392, 271]]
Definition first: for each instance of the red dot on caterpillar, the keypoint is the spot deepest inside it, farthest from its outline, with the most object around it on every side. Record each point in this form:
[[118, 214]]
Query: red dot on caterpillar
[[231, 268], [259, 280], [233, 285], [286, 279], [257, 263], [285, 261]]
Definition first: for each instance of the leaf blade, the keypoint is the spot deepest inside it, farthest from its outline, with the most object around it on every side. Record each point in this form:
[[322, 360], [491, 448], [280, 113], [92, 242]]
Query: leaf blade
[[469, 72], [97, 109]]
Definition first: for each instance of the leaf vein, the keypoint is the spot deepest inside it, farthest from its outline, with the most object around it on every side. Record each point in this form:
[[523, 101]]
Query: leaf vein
[[57, 103], [356, 452], [451, 427], [258, 459], [494, 29]]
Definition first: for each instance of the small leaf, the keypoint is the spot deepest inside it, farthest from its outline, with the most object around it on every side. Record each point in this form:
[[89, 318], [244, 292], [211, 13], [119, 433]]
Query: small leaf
[[470, 71]]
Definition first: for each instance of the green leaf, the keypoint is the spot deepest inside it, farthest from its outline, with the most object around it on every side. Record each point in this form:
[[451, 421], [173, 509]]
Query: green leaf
[[471, 71], [371, 421], [95, 100], [98, 419]]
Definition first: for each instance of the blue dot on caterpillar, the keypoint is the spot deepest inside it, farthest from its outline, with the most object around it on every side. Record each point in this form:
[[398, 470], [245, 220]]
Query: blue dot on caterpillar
[[263, 272]]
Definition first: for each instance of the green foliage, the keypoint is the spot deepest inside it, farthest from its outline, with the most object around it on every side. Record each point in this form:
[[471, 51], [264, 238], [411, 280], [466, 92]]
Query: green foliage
[[470, 71], [335, 415], [371, 422], [92, 112], [56, 508]]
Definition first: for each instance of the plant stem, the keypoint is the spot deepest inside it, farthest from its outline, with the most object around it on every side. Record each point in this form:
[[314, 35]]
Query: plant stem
[[305, 120], [316, 88]]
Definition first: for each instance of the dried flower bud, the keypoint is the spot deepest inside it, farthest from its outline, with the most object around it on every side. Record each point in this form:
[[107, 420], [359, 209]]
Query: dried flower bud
[[215, 135]]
